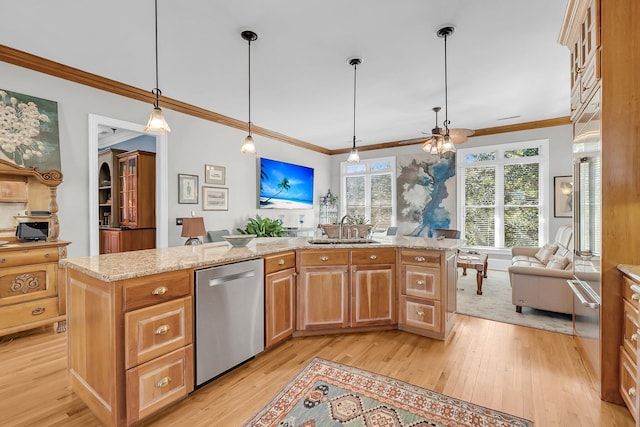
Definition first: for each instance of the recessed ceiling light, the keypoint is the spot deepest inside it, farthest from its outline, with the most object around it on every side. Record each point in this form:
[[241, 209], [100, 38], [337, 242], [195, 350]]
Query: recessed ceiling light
[[508, 118]]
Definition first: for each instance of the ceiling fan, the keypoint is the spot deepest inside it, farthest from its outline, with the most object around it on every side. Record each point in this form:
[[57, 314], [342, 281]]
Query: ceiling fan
[[458, 135]]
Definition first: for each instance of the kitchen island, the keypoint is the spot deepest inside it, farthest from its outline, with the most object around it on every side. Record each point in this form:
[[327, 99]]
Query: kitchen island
[[131, 321]]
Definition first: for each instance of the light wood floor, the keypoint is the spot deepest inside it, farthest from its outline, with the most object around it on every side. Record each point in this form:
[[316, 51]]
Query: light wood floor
[[527, 372]]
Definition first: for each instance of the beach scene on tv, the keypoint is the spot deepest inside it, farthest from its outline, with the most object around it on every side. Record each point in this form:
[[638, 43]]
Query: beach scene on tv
[[285, 185]]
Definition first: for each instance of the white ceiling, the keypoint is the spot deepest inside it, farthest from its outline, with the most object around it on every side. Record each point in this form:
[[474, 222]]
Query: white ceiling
[[504, 59]]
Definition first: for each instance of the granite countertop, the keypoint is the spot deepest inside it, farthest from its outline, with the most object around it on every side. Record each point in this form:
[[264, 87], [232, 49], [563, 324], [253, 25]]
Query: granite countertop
[[632, 271], [127, 265]]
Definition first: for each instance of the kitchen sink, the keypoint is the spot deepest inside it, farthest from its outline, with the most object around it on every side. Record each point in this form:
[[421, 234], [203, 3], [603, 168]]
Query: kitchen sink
[[340, 241]]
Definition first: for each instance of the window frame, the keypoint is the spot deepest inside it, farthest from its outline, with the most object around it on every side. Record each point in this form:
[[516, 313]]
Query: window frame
[[499, 163], [368, 173]]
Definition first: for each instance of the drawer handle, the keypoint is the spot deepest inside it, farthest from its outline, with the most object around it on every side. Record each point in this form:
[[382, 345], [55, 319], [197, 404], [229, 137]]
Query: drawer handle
[[3, 260], [160, 290], [372, 257], [161, 330], [324, 258], [420, 282], [635, 297], [632, 392], [420, 313], [281, 262], [46, 255], [419, 259], [163, 382], [37, 311]]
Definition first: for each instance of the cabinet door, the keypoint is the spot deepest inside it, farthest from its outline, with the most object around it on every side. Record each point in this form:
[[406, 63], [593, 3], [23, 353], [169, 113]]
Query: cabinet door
[[421, 314], [279, 306], [109, 241], [372, 295], [323, 298]]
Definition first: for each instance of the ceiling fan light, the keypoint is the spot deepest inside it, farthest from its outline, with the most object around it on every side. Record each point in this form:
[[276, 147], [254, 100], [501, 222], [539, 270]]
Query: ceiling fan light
[[157, 122], [354, 157], [248, 147]]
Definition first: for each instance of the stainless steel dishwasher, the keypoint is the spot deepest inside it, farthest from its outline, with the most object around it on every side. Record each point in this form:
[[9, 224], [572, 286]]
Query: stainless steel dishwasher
[[229, 319]]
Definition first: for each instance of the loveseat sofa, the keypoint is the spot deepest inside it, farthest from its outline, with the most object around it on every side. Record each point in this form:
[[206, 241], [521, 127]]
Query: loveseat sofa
[[538, 275]]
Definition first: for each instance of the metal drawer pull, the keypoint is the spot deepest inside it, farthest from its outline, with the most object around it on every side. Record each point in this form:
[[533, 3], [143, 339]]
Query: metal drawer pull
[[281, 262], [160, 290], [634, 338], [324, 258], [635, 297], [161, 330], [632, 392], [420, 282], [372, 257], [420, 259], [3, 260], [46, 255], [37, 311], [420, 313], [163, 382]]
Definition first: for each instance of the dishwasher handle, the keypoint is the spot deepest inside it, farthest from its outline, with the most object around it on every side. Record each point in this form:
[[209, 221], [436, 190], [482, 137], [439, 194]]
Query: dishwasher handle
[[215, 281], [574, 285]]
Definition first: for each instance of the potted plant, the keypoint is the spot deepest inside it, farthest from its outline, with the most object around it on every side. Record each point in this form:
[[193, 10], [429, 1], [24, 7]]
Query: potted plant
[[263, 227]]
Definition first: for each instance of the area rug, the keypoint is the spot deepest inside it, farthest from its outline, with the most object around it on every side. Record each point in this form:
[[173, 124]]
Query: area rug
[[327, 393], [495, 304]]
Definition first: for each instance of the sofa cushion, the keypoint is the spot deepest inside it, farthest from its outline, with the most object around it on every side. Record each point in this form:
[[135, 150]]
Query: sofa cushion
[[526, 261], [558, 262], [545, 253]]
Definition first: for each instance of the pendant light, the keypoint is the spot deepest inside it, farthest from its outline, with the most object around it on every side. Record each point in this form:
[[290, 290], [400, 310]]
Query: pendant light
[[354, 157], [249, 147], [447, 143], [156, 122]]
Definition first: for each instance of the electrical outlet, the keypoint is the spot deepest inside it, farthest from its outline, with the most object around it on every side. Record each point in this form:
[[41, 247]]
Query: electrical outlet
[[178, 221]]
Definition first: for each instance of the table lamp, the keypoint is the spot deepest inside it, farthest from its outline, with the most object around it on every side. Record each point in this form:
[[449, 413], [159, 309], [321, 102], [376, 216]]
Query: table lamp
[[192, 228]]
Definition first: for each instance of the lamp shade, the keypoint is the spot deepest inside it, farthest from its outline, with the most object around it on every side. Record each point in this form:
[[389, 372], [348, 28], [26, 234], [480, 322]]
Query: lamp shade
[[192, 228]]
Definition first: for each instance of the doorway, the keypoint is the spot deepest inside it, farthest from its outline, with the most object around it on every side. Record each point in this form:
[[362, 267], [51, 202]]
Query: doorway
[[162, 225]]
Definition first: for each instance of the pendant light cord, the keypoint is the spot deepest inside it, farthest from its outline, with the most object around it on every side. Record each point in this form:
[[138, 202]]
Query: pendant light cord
[[446, 97], [249, 50], [156, 90], [355, 68]]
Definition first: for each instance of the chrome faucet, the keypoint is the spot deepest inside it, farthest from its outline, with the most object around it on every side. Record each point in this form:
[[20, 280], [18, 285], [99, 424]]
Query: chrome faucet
[[347, 216]]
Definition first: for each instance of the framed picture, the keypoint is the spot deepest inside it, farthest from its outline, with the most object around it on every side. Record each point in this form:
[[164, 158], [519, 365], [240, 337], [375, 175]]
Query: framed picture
[[214, 174], [215, 198], [562, 196], [187, 188]]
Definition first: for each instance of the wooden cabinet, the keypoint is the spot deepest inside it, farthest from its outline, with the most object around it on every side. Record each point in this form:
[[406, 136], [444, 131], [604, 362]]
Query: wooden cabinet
[[123, 240], [137, 175], [108, 188], [130, 343], [342, 288], [13, 190], [629, 348], [427, 292], [280, 296]]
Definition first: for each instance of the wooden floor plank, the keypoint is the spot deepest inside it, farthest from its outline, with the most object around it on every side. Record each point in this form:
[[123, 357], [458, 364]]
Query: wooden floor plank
[[523, 371]]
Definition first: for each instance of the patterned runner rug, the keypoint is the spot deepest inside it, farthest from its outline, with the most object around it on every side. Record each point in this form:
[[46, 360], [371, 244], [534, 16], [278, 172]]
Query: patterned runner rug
[[327, 393]]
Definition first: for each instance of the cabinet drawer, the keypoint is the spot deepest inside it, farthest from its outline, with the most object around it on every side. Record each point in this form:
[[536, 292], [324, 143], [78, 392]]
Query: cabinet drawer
[[26, 283], [423, 258], [422, 314], [628, 384], [328, 257], [628, 294], [154, 289], [157, 384], [158, 329], [279, 262], [630, 330], [27, 312], [28, 256], [421, 282], [373, 256]]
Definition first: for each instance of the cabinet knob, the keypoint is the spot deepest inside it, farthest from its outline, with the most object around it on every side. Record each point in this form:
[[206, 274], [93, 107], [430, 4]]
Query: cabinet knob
[[420, 313], [161, 330], [634, 338], [419, 259], [46, 255], [372, 257], [420, 282], [280, 262], [37, 311], [3, 260], [160, 290], [163, 382], [635, 297], [632, 392], [324, 258]]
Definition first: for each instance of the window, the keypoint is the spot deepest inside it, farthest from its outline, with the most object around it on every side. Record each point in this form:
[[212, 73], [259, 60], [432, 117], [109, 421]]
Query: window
[[501, 194], [369, 190]]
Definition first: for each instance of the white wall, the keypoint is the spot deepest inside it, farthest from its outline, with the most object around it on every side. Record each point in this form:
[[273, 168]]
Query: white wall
[[193, 143]]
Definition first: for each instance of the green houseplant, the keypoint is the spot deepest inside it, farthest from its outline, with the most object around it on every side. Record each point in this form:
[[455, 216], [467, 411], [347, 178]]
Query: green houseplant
[[263, 227]]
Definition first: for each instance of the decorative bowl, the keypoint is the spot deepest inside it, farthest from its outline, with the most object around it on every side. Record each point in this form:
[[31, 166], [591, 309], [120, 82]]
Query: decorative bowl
[[239, 239]]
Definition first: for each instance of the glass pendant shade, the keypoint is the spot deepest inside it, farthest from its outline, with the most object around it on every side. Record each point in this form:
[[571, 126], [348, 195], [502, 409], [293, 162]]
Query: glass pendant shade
[[157, 122], [354, 157], [248, 147]]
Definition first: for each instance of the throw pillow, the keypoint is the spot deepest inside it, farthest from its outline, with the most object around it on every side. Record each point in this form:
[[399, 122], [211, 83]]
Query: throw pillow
[[545, 253], [558, 262]]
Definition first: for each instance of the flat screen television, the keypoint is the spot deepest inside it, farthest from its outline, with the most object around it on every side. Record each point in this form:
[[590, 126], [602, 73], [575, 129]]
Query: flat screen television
[[285, 185]]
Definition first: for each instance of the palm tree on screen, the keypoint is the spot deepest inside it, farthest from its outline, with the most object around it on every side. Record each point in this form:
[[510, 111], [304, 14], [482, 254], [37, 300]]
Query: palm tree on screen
[[283, 186]]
